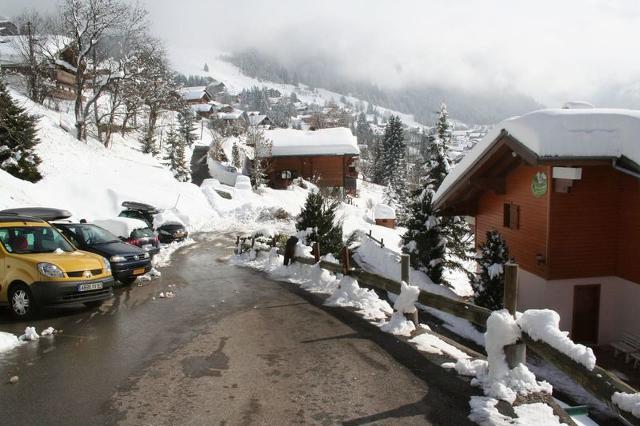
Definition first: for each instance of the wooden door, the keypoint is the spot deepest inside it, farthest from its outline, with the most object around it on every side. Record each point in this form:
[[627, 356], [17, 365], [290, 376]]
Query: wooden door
[[586, 313]]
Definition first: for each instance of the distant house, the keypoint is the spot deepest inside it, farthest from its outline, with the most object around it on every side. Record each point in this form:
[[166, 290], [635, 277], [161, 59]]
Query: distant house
[[203, 110], [195, 95], [563, 188], [328, 155], [231, 115], [258, 120], [215, 87], [59, 57], [7, 28]]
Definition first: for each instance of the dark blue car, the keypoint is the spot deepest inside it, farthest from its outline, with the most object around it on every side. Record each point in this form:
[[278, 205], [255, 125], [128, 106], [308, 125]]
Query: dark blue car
[[127, 261]]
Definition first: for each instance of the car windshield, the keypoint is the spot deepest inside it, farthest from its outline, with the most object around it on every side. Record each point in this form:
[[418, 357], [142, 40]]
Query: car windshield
[[88, 235], [33, 239]]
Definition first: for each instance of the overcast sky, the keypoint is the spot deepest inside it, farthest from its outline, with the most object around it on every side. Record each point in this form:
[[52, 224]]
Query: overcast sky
[[553, 50]]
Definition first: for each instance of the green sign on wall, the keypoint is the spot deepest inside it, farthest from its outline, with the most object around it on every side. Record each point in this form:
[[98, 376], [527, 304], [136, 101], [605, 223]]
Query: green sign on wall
[[539, 184]]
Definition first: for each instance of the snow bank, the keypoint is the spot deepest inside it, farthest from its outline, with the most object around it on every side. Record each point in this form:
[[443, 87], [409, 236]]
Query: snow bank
[[92, 181], [8, 341], [349, 294], [485, 413], [544, 325], [167, 216], [30, 334], [121, 226], [163, 258], [332, 141], [629, 402]]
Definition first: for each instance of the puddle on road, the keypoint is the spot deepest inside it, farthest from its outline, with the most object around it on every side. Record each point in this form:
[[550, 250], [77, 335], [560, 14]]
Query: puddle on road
[[212, 365]]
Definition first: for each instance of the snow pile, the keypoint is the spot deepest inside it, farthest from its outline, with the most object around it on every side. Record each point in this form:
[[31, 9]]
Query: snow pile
[[8, 341], [321, 281], [494, 375], [48, 331], [121, 226], [167, 216], [30, 334], [629, 402], [398, 325], [163, 258], [433, 344], [383, 211], [243, 183], [349, 294], [485, 413], [406, 301], [544, 325]]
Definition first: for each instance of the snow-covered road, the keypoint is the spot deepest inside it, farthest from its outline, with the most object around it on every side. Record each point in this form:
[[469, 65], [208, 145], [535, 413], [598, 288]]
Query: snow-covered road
[[228, 347]]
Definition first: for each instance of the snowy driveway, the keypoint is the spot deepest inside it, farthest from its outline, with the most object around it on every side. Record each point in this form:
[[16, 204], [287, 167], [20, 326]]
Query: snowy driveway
[[232, 347]]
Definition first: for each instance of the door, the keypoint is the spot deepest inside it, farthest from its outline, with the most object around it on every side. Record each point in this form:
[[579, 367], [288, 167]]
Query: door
[[586, 313]]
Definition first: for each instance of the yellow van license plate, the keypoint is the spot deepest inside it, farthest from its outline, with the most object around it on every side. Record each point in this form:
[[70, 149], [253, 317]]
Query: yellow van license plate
[[90, 286], [138, 271]]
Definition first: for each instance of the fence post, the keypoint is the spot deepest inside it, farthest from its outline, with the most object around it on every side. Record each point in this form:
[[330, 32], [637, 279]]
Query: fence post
[[346, 263], [517, 352], [253, 241], [316, 251], [381, 242], [273, 241], [237, 244], [404, 276]]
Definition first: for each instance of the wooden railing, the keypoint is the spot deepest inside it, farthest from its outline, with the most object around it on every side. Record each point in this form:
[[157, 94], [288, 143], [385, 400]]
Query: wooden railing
[[598, 382]]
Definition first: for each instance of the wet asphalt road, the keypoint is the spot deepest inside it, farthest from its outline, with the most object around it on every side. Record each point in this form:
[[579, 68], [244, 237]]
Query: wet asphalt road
[[232, 347]]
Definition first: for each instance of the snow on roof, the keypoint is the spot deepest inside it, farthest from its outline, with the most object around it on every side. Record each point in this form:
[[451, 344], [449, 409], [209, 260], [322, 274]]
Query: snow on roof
[[236, 114], [255, 120], [121, 226], [333, 141], [193, 93], [383, 211], [574, 133], [202, 107], [12, 47]]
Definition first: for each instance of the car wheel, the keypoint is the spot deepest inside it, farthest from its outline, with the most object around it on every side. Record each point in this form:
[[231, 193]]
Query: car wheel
[[128, 280], [21, 302], [94, 304]]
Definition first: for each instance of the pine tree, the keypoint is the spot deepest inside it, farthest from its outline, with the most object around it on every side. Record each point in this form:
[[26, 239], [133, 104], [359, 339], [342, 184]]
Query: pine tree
[[175, 158], [394, 164], [206, 67], [444, 127], [488, 286], [17, 139], [148, 142], [318, 216], [262, 158], [187, 126], [235, 156]]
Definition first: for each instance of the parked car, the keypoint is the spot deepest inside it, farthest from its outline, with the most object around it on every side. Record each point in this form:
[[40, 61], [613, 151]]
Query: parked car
[[132, 231], [127, 261], [168, 231], [40, 267]]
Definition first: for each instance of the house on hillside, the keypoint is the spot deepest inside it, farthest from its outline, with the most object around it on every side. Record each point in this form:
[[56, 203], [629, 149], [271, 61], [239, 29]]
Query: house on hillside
[[7, 28], [203, 110], [256, 119], [56, 55], [328, 155], [195, 95], [563, 188]]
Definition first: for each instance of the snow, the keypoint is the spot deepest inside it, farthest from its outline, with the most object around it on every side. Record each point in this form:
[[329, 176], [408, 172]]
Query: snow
[[167, 216], [163, 258], [243, 183], [433, 344], [591, 132], [628, 402], [349, 294], [121, 226], [544, 325], [495, 270], [8, 341], [333, 141], [30, 334], [92, 181], [485, 413], [48, 331], [406, 301], [193, 93], [383, 211], [398, 325], [578, 105]]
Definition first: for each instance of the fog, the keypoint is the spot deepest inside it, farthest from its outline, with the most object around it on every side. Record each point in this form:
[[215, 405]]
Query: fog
[[551, 50]]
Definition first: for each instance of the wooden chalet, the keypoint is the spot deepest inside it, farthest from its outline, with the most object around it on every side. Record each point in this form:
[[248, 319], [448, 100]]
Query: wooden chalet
[[195, 95], [328, 155], [562, 186]]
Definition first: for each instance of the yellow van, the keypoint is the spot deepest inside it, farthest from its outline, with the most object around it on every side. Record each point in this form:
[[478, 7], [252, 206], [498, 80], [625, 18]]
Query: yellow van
[[39, 267]]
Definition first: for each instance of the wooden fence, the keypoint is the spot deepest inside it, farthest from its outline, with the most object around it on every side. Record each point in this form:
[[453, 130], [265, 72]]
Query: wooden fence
[[598, 382]]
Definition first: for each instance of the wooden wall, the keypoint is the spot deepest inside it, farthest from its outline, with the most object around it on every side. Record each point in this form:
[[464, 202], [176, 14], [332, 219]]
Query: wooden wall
[[331, 169], [531, 236]]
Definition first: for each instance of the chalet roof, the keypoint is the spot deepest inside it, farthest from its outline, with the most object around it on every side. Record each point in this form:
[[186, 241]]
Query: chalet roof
[[11, 47], [333, 141], [256, 119], [193, 93], [558, 134], [236, 114], [203, 107]]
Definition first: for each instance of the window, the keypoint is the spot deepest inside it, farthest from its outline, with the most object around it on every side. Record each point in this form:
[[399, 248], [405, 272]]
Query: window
[[288, 174], [511, 216]]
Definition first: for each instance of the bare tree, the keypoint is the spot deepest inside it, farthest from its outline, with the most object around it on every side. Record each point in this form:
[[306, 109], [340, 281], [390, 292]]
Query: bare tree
[[86, 23]]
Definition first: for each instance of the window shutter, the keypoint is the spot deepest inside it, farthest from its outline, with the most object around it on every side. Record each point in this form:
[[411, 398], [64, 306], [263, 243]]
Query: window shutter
[[514, 216]]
